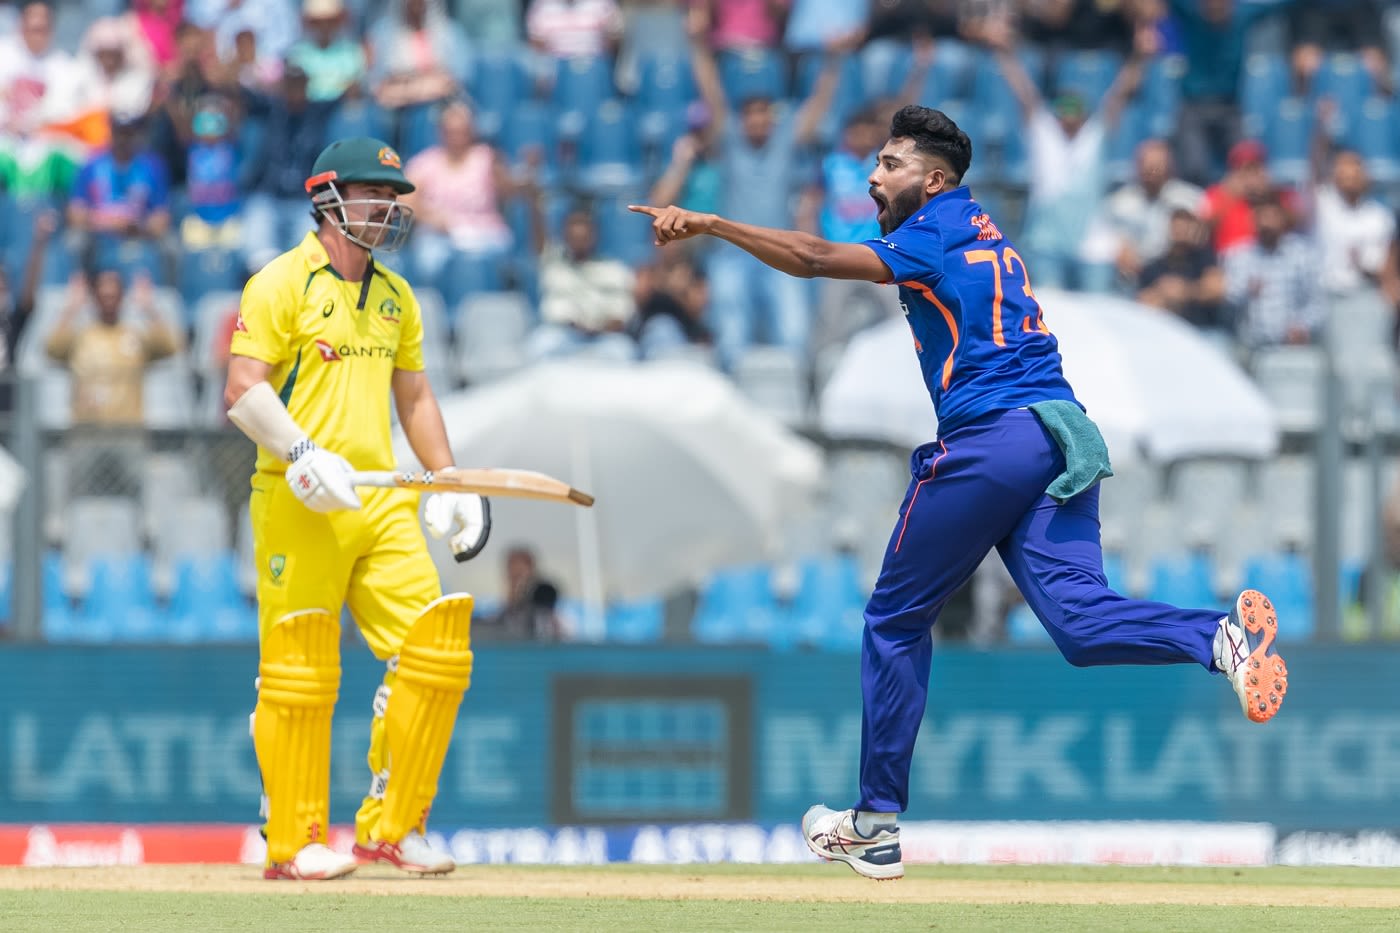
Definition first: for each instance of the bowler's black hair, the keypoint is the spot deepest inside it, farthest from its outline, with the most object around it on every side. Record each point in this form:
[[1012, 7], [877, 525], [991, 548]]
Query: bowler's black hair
[[935, 134]]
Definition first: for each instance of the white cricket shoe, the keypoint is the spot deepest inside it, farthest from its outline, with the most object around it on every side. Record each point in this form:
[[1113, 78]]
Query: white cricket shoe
[[315, 862], [413, 854], [1244, 652], [832, 835]]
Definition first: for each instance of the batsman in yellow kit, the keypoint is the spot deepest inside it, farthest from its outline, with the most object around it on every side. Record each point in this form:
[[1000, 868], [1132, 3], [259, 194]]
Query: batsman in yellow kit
[[325, 337]]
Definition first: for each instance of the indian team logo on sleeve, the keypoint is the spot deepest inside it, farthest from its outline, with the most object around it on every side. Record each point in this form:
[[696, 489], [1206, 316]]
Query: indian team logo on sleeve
[[390, 158], [986, 230]]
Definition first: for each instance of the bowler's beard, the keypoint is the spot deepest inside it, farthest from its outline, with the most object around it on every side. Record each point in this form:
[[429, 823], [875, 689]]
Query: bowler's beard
[[902, 207]]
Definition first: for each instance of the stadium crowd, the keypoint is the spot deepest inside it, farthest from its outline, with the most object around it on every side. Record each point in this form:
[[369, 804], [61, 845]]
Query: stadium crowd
[[1233, 163]]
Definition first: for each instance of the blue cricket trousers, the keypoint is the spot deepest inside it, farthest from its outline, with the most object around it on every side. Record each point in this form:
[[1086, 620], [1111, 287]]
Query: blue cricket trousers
[[978, 487]]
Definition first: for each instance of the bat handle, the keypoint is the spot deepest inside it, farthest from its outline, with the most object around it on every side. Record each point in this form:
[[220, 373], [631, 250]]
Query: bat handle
[[381, 479]]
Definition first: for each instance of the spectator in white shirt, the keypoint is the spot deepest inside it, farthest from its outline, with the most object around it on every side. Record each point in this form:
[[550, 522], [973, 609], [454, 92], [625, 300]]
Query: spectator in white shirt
[[1139, 213], [120, 66], [587, 301], [37, 80], [574, 28], [1067, 143], [1353, 230], [1274, 283]]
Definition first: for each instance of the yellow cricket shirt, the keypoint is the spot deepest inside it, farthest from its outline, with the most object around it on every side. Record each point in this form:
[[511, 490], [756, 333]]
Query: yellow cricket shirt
[[333, 355]]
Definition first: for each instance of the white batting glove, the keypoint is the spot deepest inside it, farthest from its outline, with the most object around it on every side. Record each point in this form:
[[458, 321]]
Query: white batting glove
[[320, 479], [464, 515]]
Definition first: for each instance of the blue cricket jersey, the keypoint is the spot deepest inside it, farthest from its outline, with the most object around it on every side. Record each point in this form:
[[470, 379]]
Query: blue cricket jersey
[[982, 342]]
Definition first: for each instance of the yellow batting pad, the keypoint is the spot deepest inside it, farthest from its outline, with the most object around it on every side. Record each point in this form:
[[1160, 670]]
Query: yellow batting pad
[[434, 671], [298, 682]]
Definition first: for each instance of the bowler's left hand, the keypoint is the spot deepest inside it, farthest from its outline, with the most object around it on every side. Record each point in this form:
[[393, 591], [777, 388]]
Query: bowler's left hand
[[674, 223], [465, 516]]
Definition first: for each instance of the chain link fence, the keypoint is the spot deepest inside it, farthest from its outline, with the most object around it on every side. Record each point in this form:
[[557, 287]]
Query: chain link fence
[[133, 521]]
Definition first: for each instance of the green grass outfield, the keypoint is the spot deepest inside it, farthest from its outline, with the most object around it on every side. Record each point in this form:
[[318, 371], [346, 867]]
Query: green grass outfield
[[1045, 899]]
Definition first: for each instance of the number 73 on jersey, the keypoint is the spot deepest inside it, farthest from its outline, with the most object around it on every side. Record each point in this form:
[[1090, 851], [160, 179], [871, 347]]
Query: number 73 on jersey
[[1030, 322]]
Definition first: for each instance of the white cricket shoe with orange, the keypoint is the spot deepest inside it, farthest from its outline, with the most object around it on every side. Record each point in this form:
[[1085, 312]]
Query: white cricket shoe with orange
[[315, 862], [832, 834], [1244, 652], [414, 854]]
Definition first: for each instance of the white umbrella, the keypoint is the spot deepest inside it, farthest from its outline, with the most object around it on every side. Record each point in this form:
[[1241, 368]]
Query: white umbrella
[[688, 475], [1156, 387]]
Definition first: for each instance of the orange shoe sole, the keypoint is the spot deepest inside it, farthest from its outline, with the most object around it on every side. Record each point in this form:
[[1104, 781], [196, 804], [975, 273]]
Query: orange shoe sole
[[1266, 675]]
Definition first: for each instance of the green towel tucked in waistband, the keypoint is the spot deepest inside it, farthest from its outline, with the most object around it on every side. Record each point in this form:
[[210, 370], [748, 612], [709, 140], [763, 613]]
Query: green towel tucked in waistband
[[1086, 454]]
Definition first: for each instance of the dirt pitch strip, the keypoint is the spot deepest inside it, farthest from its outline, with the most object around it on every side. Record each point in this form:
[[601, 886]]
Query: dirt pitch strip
[[923, 885]]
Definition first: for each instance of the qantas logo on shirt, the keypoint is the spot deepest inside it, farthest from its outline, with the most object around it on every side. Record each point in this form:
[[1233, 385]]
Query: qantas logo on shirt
[[986, 230], [330, 354], [239, 326]]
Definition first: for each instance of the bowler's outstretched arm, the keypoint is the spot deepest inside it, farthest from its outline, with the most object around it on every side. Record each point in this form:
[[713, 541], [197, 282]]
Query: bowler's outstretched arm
[[790, 251]]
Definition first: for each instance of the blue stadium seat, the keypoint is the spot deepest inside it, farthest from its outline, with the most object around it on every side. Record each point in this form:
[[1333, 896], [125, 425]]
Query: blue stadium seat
[[1371, 132], [417, 129], [609, 154], [635, 623], [1286, 578], [1161, 94], [666, 83], [1120, 152], [18, 240], [1262, 85], [580, 87], [60, 618], [1183, 580], [664, 91], [752, 73], [1289, 140], [622, 234], [467, 275], [828, 609], [530, 124], [849, 96], [994, 102], [1087, 72], [1343, 79], [208, 270], [736, 605], [132, 257], [500, 83], [207, 605], [357, 118], [120, 604]]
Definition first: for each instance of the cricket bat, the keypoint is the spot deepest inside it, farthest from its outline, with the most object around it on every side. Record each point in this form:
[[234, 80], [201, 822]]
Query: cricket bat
[[520, 484]]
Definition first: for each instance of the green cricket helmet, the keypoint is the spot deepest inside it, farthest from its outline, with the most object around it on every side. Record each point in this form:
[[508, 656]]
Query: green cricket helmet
[[374, 223]]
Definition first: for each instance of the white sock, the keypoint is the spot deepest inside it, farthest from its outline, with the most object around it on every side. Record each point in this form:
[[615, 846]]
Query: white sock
[[868, 822]]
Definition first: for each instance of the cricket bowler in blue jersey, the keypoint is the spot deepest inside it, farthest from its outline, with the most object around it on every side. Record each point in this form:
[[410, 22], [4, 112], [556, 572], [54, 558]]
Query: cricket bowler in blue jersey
[[1015, 467]]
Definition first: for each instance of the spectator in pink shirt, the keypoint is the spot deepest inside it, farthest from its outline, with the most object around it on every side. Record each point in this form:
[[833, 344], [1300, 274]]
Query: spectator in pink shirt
[[574, 28], [157, 21], [745, 24], [461, 186]]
